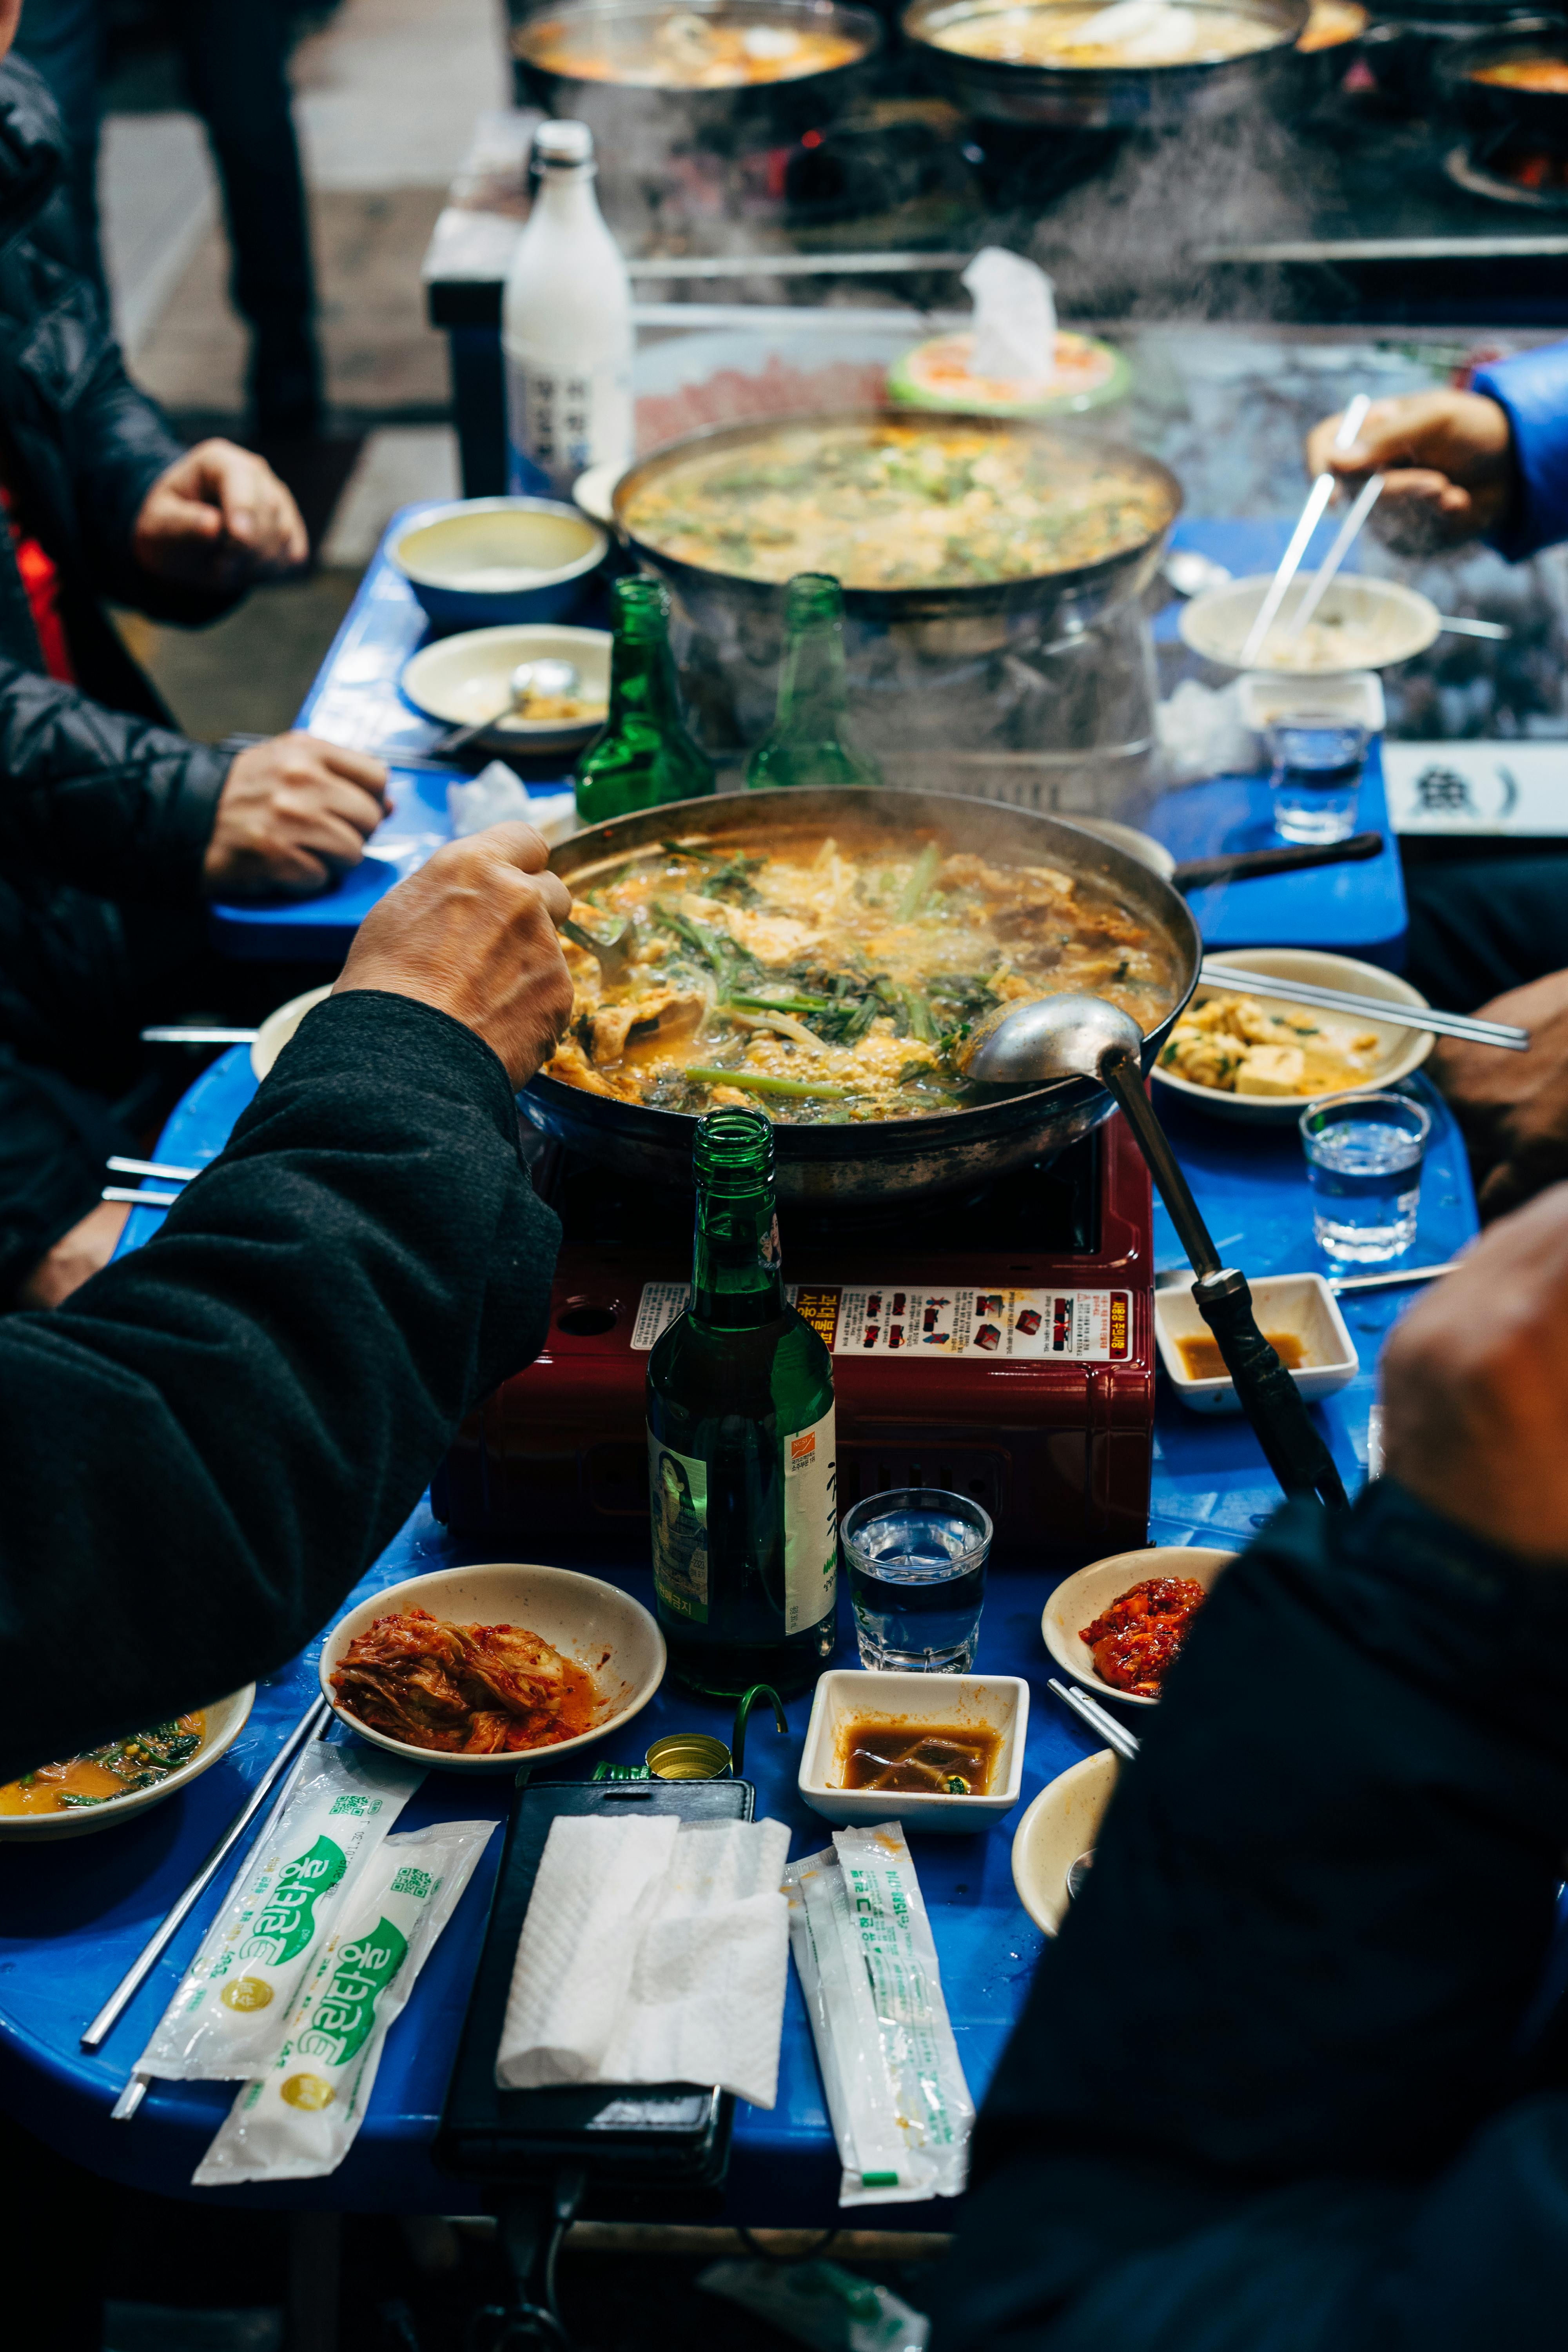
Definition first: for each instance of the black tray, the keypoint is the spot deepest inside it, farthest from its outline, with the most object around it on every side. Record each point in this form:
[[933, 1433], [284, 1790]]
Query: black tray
[[669, 2133]]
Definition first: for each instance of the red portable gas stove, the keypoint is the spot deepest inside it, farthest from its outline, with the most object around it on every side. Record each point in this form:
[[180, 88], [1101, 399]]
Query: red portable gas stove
[[999, 1344]]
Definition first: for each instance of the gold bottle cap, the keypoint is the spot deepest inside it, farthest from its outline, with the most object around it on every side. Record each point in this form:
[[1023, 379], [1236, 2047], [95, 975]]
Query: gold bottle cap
[[689, 1756]]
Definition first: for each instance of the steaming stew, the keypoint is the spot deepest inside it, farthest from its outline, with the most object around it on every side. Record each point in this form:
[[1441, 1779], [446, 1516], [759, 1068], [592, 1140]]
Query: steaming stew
[[1128, 33], [899, 505], [98, 1775], [1331, 24], [681, 50], [830, 980], [1549, 74]]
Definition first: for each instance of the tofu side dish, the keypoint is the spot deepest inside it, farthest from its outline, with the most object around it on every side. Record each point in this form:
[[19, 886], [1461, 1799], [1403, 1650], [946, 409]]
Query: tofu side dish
[[1240, 1045]]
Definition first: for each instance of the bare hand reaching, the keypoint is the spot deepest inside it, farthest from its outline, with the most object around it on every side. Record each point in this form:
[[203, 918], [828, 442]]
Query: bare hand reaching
[[293, 814], [473, 933], [1475, 1380], [1448, 461], [1513, 1108], [219, 518]]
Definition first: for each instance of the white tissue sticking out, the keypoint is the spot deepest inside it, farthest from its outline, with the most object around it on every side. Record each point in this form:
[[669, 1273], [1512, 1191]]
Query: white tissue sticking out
[[1203, 734], [495, 796], [649, 1957], [1015, 318]]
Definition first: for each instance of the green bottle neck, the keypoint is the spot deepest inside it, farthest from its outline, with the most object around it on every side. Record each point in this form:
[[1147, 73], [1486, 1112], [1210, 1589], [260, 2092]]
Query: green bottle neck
[[812, 692], [735, 1279], [642, 694]]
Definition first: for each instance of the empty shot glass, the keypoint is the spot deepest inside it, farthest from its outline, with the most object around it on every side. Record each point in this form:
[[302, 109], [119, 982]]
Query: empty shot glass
[[1364, 1164], [1317, 760], [916, 1562]]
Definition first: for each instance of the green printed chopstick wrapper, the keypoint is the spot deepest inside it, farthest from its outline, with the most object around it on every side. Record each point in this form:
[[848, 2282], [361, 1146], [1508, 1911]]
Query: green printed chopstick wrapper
[[300, 2117], [229, 2013]]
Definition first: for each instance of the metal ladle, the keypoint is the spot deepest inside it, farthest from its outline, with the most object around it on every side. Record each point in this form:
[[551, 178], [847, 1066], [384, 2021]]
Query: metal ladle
[[1084, 1037], [548, 675]]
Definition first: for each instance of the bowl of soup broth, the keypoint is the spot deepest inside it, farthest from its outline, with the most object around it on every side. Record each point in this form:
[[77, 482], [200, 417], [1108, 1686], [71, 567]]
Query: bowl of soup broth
[[934, 1751], [1078, 64], [98, 1788]]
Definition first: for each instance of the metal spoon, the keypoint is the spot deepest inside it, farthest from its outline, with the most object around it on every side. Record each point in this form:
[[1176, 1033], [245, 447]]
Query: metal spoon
[[1077, 1873], [548, 675], [614, 948], [1084, 1037]]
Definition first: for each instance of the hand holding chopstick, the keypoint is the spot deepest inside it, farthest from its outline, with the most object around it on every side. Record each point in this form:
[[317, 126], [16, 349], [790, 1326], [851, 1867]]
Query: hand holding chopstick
[[1318, 498]]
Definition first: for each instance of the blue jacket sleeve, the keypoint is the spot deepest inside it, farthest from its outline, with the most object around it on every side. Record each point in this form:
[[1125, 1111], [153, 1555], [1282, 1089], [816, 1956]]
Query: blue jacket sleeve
[[1532, 387]]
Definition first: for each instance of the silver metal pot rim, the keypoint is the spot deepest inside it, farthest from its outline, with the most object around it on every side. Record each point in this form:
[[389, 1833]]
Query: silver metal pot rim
[[1289, 16], [865, 25], [912, 601]]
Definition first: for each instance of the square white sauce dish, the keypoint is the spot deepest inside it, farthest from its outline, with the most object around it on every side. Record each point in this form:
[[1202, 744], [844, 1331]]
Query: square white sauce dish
[[935, 1730], [1297, 1312]]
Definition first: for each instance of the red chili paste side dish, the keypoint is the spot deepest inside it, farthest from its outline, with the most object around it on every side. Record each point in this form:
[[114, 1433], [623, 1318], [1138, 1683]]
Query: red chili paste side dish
[[1135, 1640]]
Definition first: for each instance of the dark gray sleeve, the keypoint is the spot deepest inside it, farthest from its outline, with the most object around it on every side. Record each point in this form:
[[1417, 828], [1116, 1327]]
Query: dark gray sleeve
[[204, 1450]]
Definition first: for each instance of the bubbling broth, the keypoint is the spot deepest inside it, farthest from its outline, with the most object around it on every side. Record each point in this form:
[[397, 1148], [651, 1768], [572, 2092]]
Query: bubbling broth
[[832, 978], [1128, 33], [684, 50], [925, 1760]]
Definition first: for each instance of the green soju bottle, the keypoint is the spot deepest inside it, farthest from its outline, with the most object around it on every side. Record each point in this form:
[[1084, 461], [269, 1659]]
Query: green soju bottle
[[805, 744], [740, 1443], [644, 755]]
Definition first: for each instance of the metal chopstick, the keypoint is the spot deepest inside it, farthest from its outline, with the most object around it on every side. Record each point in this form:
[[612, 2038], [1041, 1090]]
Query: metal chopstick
[[152, 1168], [142, 1200], [1113, 1733], [1349, 532], [152, 1951], [1387, 1280], [1219, 974], [191, 1033], [1318, 496]]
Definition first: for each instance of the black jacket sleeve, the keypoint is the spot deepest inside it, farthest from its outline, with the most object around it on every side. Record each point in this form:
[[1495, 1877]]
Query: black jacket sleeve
[[204, 1451], [1275, 2088], [111, 804]]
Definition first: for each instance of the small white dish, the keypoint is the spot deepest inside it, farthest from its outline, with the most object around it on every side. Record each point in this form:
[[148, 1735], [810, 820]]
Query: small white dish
[[846, 1694], [1079, 1600], [1299, 1302], [226, 1719], [461, 679], [280, 1025], [1362, 624], [1062, 1822], [481, 560], [1400, 1051], [581, 1616]]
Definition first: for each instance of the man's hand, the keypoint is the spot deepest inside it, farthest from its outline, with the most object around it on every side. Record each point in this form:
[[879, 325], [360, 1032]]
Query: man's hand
[[1475, 1380], [1513, 1108], [76, 1257], [1448, 462], [293, 814], [220, 519], [473, 933]]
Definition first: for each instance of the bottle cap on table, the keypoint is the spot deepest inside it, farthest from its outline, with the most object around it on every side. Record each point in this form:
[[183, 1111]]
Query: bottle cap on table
[[564, 142], [689, 1756]]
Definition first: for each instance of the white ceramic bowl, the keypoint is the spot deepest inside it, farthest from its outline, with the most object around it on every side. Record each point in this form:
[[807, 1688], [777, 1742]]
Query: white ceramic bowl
[[459, 680], [999, 1702], [279, 1026], [1400, 1051], [1362, 624], [1079, 1600], [1301, 1303], [1062, 1822], [226, 1718], [581, 1616], [482, 560]]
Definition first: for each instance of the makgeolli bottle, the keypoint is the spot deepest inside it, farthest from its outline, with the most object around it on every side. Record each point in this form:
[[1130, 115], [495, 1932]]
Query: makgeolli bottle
[[566, 327]]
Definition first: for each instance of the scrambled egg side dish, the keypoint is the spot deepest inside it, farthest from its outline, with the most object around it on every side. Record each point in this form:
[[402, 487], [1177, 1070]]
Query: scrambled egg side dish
[[1244, 1047], [833, 980], [898, 505]]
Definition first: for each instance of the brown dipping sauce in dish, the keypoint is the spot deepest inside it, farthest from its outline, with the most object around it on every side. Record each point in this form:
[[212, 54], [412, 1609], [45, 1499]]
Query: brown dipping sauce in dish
[[1201, 1359], [925, 1759]]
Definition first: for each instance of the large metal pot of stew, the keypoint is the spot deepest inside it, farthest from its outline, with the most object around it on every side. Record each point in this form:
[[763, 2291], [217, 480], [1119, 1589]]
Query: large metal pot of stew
[[820, 955]]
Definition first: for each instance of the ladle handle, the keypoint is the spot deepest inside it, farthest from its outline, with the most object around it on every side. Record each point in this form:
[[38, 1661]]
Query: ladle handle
[[1264, 1389]]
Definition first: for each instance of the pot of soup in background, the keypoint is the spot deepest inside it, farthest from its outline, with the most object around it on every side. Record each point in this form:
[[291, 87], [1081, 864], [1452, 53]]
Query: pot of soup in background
[[1512, 80]]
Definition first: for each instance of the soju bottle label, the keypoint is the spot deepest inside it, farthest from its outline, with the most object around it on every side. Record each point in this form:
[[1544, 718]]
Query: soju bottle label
[[677, 1494], [811, 1523]]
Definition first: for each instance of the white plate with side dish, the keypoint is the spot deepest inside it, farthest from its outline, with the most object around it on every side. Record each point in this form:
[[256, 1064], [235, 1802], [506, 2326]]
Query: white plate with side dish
[[223, 1720], [1290, 1307], [1079, 1600], [1392, 1055], [462, 680], [1061, 1823], [995, 1705]]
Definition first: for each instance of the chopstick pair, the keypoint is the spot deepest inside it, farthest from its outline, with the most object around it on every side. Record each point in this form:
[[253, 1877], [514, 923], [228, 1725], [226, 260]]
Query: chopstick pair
[[141, 1199], [1312, 514], [1463, 1025], [1089, 1711]]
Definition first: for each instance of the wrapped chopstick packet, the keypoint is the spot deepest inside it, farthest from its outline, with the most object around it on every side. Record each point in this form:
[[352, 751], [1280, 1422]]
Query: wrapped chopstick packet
[[299, 2119], [228, 2017]]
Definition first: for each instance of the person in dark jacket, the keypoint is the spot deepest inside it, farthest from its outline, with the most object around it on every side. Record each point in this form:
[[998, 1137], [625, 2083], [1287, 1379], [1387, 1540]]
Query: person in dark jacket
[[114, 827], [209, 1444], [1291, 2078]]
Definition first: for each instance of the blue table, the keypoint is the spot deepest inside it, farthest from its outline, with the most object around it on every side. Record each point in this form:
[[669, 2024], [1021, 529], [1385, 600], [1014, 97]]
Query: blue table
[[75, 1914], [356, 700]]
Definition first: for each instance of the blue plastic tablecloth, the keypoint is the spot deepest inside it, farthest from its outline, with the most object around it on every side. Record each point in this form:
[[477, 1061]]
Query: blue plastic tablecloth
[[356, 700], [76, 1913]]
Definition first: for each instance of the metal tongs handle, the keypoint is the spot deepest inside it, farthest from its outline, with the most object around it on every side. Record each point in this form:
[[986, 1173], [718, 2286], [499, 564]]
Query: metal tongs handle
[[1267, 1395]]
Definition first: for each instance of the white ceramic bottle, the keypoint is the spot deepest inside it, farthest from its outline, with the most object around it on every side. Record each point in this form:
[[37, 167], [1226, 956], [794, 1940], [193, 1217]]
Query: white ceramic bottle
[[566, 326]]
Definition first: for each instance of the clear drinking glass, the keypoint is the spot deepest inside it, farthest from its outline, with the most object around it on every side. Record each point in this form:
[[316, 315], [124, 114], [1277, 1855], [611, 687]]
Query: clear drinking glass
[[1364, 1164], [1317, 760], [917, 1561]]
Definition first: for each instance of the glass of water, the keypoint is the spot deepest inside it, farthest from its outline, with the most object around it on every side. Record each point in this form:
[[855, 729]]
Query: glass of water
[[1364, 1164], [1317, 762], [916, 1559]]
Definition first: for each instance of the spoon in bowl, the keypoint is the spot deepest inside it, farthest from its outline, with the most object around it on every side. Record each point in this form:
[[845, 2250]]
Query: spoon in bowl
[[547, 677], [1075, 1036]]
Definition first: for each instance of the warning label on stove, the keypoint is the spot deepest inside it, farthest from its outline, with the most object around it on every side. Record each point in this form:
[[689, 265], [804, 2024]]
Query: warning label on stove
[[1081, 1326]]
